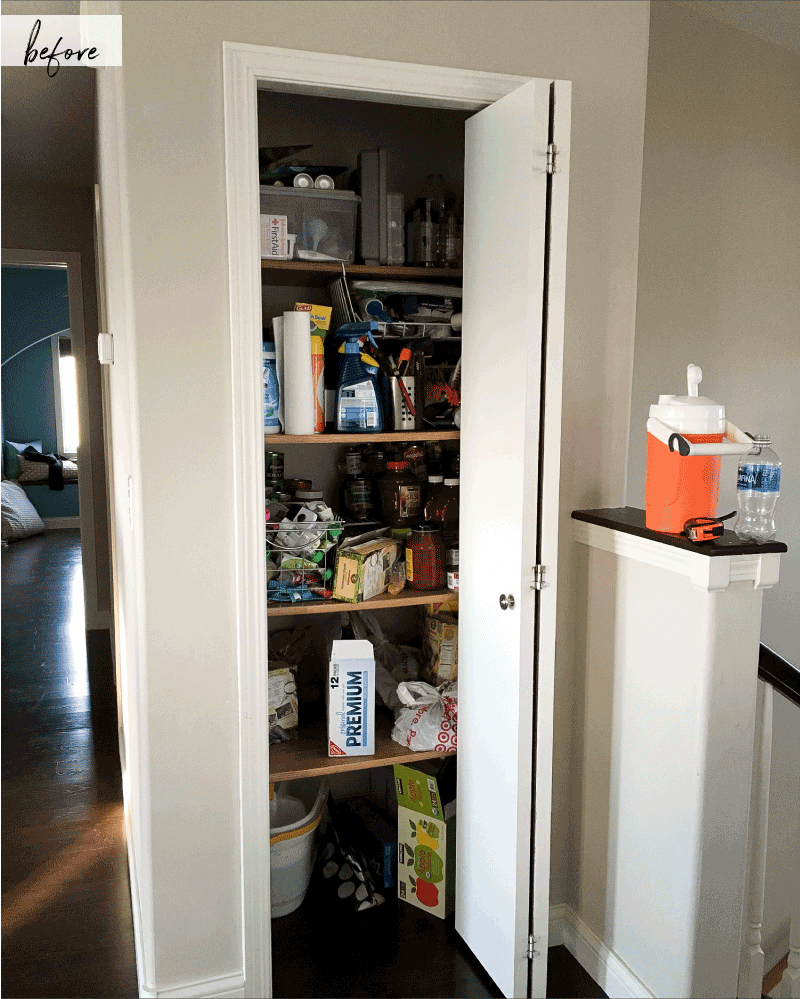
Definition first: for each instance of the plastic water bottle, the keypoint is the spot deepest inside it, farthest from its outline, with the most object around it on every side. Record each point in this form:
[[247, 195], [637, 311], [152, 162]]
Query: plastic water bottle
[[757, 491]]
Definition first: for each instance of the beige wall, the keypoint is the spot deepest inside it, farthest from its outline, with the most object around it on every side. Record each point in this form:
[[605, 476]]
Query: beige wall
[[176, 190], [719, 259], [58, 218]]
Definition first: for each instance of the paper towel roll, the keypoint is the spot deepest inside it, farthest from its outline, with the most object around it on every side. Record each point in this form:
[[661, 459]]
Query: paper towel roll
[[299, 398], [277, 336]]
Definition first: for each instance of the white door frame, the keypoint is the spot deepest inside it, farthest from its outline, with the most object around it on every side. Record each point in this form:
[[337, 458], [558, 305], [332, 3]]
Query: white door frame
[[245, 67]]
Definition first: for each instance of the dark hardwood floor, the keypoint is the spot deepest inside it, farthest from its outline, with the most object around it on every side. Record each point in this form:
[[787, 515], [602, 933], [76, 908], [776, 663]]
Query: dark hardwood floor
[[393, 951], [67, 928]]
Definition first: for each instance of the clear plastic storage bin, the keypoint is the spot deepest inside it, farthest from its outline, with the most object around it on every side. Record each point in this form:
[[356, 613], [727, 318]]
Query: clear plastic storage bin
[[323, 222]]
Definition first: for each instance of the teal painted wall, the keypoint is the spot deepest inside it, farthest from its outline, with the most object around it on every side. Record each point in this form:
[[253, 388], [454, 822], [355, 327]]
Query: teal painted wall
[[35, 304]]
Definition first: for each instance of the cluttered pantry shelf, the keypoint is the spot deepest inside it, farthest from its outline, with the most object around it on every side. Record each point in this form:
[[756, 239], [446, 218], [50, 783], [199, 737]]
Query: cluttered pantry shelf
[[307, 756], [407, 598], [390, 436], [286, 271]]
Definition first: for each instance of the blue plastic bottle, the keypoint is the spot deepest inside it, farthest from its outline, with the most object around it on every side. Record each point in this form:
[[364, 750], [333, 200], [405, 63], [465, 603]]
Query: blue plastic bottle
[[272, 423], [358, 403]]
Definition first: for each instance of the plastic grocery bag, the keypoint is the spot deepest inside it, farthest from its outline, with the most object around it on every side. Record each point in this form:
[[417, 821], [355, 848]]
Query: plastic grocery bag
[[429, 716], [393, 663]]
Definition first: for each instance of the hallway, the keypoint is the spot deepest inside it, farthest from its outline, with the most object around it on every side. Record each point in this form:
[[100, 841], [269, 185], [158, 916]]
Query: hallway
[[67, 928]]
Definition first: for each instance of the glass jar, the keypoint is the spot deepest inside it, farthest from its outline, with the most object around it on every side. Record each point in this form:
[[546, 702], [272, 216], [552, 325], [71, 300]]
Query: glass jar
[[451, 560], [434, 450], [442, 508], [352, 462], [425, 558], [415, 455], [401, 495], [358, 497]]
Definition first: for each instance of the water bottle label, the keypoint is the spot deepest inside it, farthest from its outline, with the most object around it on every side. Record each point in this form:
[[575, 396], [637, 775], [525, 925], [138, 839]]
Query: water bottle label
[[760, 478]]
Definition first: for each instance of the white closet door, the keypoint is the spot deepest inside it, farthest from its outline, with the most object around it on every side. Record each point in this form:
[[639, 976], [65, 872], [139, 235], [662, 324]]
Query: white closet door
[[505, 222]]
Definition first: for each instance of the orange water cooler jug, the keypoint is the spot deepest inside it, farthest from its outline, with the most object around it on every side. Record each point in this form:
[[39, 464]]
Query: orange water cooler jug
[[686, 437]]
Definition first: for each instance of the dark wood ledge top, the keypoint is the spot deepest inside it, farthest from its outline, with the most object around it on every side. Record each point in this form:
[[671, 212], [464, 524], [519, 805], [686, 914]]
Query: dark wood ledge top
[[630, 520]]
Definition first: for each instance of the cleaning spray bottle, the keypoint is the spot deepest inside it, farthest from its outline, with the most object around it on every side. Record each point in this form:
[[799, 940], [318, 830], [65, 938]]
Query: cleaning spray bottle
[[358, 403]]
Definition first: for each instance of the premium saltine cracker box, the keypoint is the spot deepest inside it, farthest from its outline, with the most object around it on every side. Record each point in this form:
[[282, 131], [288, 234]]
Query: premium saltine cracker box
[[351, 699]]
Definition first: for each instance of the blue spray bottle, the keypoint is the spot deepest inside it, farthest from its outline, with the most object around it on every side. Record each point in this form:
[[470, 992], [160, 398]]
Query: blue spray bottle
[[358, 402]]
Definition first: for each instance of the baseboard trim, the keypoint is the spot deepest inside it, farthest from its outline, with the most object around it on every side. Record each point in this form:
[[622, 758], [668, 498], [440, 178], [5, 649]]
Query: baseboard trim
[[224, 987], [59, 523], [610, 972]]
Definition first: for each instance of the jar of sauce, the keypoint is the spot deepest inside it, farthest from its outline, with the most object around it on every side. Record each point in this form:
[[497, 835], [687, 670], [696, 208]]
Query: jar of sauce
[[425, 558], [401, 495]]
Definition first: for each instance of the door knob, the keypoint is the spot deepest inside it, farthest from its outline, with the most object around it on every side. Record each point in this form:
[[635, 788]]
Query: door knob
[[506, 602]]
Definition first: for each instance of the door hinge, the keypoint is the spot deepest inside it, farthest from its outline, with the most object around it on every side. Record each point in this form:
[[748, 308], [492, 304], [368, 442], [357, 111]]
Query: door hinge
[[531, 953], [105, 348], [539, 582], [552, 149]]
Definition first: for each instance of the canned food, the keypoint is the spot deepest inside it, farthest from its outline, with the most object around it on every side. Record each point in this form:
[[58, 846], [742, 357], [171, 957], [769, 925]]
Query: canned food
[[451, 559], [292, 485]]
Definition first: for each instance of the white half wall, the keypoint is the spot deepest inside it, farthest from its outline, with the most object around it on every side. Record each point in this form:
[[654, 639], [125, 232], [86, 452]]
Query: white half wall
[[719, 260]]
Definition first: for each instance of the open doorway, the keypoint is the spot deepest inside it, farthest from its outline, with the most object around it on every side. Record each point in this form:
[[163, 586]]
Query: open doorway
[[63, 839], [63, 833]]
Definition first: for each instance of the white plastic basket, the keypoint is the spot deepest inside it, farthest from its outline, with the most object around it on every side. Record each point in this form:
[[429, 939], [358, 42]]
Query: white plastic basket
[[293, 836]]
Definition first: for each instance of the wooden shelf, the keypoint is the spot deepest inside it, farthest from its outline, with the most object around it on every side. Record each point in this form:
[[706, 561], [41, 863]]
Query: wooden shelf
[[408, 598], [308, 755], [321, 273], [390, 436]]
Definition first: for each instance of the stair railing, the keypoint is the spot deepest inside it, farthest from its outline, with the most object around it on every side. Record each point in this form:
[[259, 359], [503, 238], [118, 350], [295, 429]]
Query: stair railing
[[776, 674]]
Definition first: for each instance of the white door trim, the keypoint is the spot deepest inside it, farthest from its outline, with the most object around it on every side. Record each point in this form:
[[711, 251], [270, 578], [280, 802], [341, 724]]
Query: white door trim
[[246, 67]]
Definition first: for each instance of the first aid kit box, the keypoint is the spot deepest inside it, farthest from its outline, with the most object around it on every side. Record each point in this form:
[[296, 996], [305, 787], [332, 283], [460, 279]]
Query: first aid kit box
[[351, 699]]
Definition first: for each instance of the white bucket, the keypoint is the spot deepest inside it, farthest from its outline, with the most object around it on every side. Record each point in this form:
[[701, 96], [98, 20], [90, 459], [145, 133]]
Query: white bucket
[[295, 814]]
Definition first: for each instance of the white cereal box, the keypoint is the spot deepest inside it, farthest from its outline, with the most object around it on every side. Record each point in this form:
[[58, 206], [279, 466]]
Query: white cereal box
[[351, 699]]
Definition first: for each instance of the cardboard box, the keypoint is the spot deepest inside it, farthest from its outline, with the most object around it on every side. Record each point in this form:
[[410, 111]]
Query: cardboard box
[[440, 642], [377, 838], [351, 699], [364, 565], [273, 237], [426, 836], [319, 317], [283, 704]]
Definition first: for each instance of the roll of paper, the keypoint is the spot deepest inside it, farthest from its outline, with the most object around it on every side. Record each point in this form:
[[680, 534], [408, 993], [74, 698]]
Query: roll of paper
[[299, 397], [277, 336]]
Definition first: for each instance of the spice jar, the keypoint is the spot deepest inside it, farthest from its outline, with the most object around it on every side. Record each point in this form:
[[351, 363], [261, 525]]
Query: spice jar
[[425, 558], [401, 496]]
